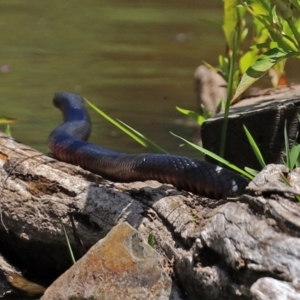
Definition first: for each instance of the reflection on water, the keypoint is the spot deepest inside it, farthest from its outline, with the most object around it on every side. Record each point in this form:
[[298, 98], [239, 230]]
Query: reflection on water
[[134, 59]]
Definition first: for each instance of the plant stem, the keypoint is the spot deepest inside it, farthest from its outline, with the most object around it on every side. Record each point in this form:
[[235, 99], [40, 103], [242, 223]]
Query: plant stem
[[229, 94]]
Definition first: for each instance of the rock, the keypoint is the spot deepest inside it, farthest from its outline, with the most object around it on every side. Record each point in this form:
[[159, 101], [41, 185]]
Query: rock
[[272, 289], [120, 266]]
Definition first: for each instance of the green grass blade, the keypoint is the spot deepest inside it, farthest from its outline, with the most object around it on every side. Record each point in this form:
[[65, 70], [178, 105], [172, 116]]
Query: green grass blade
[[294, 155], [254, 147], [149, 144], [230, 86], [200, 119], [68, 242], [288, 184], [216, 157], [287, 146], [251, 171], [142, 140], [7, 120]]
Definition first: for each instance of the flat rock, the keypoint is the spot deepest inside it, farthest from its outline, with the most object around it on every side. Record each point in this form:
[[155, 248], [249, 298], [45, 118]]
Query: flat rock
[[120, 266]]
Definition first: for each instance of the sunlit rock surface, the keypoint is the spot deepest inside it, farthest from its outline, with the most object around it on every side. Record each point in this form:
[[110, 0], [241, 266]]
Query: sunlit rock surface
[[120, 266]]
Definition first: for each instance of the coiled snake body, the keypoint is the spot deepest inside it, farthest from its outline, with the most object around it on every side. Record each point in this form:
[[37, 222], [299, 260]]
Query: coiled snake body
[[68, 143]]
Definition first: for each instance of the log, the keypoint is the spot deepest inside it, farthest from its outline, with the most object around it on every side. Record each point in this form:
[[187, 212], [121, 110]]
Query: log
[[264, 115], [39, 193], [211, 249]]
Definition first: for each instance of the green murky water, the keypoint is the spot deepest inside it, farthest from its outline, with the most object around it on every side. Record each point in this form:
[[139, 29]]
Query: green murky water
[[134, 59]]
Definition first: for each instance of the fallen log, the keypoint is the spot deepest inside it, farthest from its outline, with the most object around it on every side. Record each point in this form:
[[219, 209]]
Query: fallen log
[[39, 193], [211, 249]]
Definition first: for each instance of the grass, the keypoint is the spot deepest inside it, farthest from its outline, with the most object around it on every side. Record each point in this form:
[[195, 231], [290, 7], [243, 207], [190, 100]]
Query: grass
[[68, 242]]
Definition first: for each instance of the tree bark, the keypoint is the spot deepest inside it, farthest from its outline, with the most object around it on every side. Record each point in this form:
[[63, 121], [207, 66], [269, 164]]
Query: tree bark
[[213, 249], [264, 115]]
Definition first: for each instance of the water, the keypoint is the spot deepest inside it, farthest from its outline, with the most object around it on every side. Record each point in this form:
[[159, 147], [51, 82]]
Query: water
[[134, 59]]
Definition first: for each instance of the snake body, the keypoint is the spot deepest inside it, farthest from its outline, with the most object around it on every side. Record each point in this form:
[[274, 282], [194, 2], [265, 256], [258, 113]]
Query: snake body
[[68, 143]]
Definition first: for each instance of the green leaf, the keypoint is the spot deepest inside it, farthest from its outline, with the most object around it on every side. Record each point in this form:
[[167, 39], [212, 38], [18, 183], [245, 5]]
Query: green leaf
[[284, 42], [251, 171], [141, 139], [247, 60], [244, 34], [216, 157], [7, 120], [288, 184], [148, 143], [265, 62], [266, 45], [254, 147], [262, 6], [211, 67], [294, 155], [224, 66], [276, 26], [151, 240], [257, 8], [200, 119]]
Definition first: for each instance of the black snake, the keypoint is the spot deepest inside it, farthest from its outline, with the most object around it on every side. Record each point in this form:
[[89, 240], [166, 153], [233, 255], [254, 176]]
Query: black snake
[[68, 143]]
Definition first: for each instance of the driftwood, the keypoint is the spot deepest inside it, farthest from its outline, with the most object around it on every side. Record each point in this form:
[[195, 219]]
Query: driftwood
[[239, 249], [264, 115], [212, 249]]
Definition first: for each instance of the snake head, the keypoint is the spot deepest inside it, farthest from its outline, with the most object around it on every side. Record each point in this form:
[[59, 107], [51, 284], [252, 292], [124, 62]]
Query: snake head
[[67, 100]]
